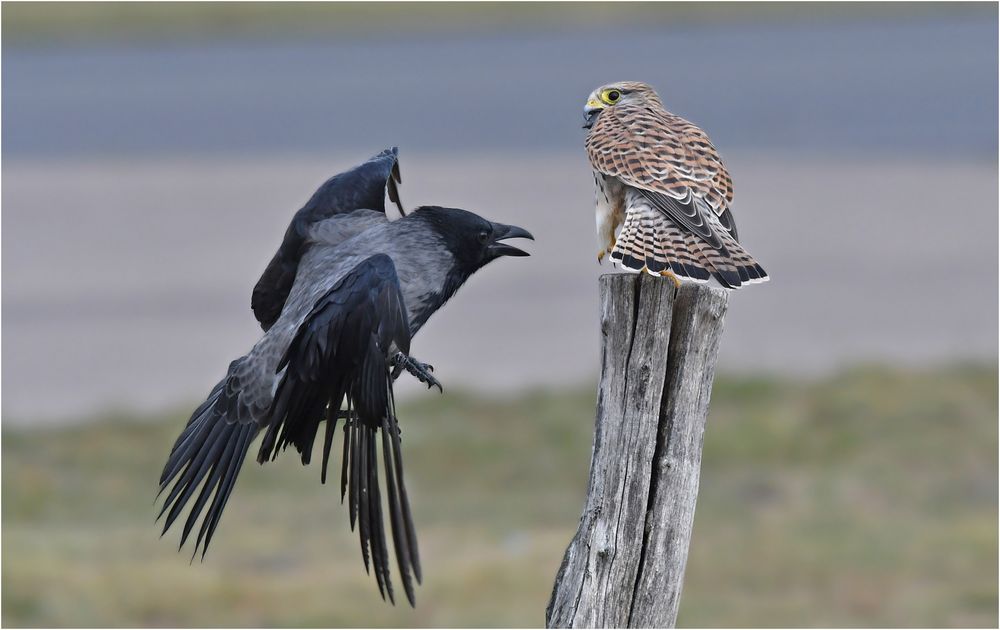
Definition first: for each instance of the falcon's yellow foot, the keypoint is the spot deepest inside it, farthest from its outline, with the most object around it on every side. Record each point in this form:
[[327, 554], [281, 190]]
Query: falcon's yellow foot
[[668, 274], [607, 250]]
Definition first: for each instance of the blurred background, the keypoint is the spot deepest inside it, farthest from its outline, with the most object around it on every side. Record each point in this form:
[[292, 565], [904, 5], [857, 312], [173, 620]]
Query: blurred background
[[154, 153]]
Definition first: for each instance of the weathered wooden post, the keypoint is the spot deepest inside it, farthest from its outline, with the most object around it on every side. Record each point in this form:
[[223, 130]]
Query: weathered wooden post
[[625, 566]]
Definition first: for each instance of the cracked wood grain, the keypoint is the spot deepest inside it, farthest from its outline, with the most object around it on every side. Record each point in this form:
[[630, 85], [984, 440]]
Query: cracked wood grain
[[625, 565]]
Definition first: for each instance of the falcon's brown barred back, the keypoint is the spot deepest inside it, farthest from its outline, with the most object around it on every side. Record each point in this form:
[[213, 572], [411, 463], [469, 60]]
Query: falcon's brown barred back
[[661, 180]]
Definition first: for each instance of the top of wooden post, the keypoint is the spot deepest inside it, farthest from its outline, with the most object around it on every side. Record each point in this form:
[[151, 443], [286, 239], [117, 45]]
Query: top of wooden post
[[625, 566]]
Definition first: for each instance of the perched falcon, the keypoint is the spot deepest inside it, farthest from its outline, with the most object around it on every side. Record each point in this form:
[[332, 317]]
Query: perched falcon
[[659, 177]]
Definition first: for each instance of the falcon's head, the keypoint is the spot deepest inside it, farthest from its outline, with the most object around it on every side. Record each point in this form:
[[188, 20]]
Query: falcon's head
[[614, 94]]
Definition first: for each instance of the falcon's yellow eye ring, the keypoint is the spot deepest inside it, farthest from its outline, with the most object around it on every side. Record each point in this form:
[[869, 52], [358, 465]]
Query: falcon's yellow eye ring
[[611, 96]]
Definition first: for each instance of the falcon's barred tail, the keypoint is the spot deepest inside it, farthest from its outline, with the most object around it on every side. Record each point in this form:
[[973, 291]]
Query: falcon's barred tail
[[652, 242], [340, 354], [211, 446]]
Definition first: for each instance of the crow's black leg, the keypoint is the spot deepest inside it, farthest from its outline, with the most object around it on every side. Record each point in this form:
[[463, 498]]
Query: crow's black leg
[[422, 371]]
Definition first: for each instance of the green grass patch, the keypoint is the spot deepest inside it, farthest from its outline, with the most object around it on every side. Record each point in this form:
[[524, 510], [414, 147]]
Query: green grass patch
[[869, 498]]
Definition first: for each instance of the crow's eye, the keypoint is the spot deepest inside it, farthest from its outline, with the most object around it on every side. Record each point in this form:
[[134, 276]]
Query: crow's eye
[[612, 96], [484, 236]]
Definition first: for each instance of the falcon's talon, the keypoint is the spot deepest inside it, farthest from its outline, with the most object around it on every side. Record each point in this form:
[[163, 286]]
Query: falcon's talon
[[605, 252], [670, 274]]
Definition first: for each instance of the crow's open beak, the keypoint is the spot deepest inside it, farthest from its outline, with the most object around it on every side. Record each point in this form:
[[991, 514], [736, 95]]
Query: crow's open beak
[[502, 232], [591, 112]]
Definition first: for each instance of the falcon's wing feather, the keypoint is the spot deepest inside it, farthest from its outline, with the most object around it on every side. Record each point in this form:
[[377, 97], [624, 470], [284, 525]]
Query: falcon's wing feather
[[727, 221], [670, 160], [363, 187], [690, 213]]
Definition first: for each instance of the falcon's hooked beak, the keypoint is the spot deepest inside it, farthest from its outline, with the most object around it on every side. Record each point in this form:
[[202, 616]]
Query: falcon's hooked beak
[[590, 112], [502, 232]]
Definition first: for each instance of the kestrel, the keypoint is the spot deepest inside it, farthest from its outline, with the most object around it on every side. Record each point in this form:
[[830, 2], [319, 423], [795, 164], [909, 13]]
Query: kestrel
[[661, 180]]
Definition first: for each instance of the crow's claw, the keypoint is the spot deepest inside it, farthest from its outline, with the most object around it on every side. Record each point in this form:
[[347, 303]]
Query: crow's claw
[[422, 371]]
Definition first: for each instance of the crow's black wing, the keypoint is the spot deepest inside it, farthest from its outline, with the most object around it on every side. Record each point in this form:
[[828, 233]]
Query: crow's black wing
[[339, 357], [212, 449], [363, 187]]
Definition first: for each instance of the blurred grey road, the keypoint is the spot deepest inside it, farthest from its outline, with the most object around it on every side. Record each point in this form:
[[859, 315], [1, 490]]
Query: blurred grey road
[[145, 189], [925, 86]]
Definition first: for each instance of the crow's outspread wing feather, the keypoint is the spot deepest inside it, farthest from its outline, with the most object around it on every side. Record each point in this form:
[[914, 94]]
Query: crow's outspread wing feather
[[339, 357], [211, 446], [363, 187]]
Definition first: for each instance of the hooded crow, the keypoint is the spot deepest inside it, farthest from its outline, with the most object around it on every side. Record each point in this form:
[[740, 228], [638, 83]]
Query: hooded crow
[[350, 311]]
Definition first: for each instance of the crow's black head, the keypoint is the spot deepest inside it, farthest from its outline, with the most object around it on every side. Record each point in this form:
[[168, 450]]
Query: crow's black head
[[471, 239]]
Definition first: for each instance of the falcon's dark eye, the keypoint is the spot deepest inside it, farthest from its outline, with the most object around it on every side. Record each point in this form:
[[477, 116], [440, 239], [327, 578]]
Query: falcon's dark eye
[[612, 96], [484, 236]]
